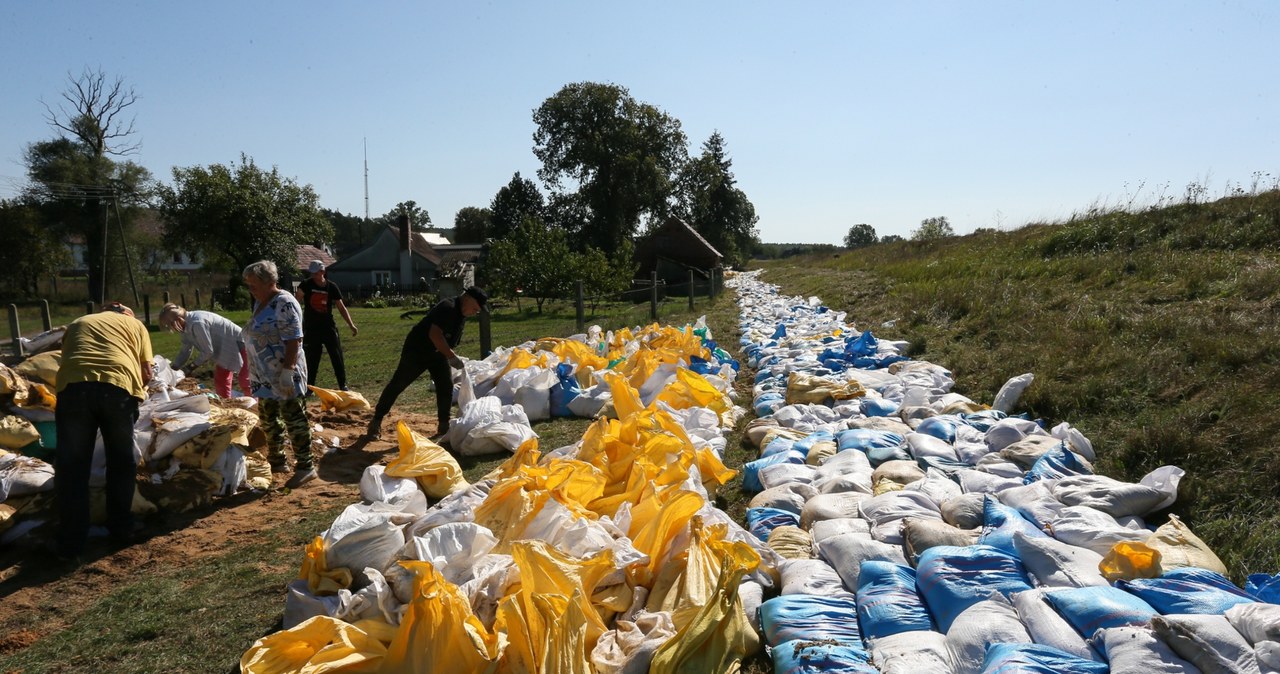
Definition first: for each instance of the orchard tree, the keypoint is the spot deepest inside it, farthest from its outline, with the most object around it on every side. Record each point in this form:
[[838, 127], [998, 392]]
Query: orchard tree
[[603, 277], [350, 232], [932, 229], [713, 205], [29, 251], [419, 219], [471, 224], [514, 203], [75, 183], [532, 261], [620, 156], [234, 215], [860, 235]]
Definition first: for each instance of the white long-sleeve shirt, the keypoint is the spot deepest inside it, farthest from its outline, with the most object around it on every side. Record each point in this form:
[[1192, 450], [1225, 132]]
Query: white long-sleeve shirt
[[212, 336]]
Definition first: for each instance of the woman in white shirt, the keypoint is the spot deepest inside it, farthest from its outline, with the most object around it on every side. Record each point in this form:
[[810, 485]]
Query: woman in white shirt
[[214, 338]]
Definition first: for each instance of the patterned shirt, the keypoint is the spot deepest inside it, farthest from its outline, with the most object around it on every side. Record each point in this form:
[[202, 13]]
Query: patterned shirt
[[264, 337]]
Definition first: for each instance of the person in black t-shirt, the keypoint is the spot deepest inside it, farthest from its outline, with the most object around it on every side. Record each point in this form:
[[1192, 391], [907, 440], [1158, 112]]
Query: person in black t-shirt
[[318, 297], [429, 348]]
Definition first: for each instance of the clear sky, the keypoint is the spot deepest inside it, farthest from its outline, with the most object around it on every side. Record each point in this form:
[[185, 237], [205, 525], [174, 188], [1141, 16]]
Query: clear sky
[[993, 114]]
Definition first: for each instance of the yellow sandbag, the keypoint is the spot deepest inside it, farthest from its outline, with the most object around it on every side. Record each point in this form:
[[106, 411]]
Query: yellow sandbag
[[803, 388], [40, 396], [821, 451], [439, 634], [791, 542], [12, 382], [691, 389], [331, 399], [320, 645], [656, 521], [1128, 560], [688, 582], [41, 367], [780, 432], [243, 420], [718, 637], [561, 639], [1179, 547], [884, 485], [16, 432], [435, 469], [98, 505], [322, 580], [206, 447], [257, 471]]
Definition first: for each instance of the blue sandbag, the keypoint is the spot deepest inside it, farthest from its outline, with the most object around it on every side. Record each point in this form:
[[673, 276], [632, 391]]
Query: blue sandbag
[[761, 521], [879, 407], [1265, 588], [820, 657], [811, 618], [1037, 659], [983, 420], [1187, 590], [1000, 523], [941, 427], [888, 602], [751, 469], [951, 579], [780, 332], [863, 345], [1090, 609], [807, 442], [879, 455], [866, 438], [1056, 463], [768, 403], [778, 445], [946, 466], [564, 391]]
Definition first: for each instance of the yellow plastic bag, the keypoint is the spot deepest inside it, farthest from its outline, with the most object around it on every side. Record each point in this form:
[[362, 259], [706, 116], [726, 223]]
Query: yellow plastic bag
[[803, 388], [41, 367], [331, 399], [791, 542], [320, 645], [243, 420], [439, 634], [16, 432], [322, 580], [40, 396], [435, 469], [688, 583], [1128, 560]]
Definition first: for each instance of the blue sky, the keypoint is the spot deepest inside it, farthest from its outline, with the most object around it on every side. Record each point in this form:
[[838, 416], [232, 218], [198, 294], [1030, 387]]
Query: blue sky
[[834, 113]]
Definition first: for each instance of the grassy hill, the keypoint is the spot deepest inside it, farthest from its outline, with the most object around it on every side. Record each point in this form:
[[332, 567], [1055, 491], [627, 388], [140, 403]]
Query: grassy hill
[[1156, 333]]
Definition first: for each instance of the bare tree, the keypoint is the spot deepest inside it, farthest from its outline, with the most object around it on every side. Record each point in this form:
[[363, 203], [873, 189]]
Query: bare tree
[[93, 113]]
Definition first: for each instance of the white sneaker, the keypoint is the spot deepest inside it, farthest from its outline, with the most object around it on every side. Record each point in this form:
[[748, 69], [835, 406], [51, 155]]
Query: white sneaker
[[300, 478]]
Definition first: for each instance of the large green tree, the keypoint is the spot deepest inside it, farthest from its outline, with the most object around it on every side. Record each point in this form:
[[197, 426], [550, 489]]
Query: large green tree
[[514, 203], [75, 183], [713, 205], [419, 219], [621, 156], [350, 232], [471, 224], [860, 235], [533, 260], [236, 214], [933, 228], [29, 250]]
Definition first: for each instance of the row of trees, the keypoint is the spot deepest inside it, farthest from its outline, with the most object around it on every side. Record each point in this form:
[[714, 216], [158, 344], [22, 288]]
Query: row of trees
[[930, 229], [611, 165]]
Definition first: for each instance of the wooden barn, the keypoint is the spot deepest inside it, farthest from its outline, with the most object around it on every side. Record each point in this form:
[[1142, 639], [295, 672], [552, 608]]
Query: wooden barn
[[673, 249]]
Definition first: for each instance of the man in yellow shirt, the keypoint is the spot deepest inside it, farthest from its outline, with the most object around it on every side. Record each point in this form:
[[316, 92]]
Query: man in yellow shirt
[[106, 364]]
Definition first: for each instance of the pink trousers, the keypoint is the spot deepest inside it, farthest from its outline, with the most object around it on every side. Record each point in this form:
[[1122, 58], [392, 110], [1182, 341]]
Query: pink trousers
[[222, 378]]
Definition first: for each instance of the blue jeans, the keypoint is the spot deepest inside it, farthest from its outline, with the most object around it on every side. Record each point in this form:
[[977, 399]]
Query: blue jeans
[[85, 409]]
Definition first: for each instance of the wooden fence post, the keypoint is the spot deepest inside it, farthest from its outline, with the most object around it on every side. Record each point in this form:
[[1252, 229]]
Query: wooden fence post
[[88, 307], [653, 295], [182, 300], [197, 304], [486, 335], [166, 297], [690, 290], [15, 330], [146, 310], [711, 292], [45, 316], [582, 321]]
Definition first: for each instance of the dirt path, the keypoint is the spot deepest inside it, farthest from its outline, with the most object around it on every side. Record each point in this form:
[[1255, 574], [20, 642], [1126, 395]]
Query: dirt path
[[33, 582]]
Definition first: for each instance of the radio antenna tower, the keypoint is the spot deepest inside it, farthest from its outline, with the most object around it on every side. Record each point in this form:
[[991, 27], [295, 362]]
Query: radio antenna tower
[[366, 179]]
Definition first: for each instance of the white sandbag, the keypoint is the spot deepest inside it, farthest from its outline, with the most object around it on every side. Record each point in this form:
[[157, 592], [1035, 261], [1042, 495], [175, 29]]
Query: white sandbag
[[848, 461], [1026, 451], [919, 535], [376, 485], [1179, 547], [846, 553], [629, 647], [880, 424], [964, 511], [1207, 641], [1165, 480], [1116, 498], [992, 621], [1052, 563], [812, 576], [1075, 440], [591, 401], [831, 506], [452, 549], [459, 506], [889, 532], [789, 497], [1009, 430], [1256, 622], [23, 475], [922, 445], [981, 482], [1047, 626], [652, 387], [1135, 649], [535, 395], [825, 529], [362, 536], [751, 594], [172, 429], [1034, 501], [300, 605], [1093, 529], [492, 578], [912, 653], [850, 482], [896, 505], [900, 471], [1008, 395], [997, 465], [784, 473], [231, 466], [937, 486], [373, 601], [1268, 653]]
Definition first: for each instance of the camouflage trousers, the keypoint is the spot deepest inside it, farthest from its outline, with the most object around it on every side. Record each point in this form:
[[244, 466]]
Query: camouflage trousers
[[278, 417]]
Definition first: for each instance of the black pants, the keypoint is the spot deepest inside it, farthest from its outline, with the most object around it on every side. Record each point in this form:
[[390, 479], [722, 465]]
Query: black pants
[[314, 341], [413, 362], [84, 410]]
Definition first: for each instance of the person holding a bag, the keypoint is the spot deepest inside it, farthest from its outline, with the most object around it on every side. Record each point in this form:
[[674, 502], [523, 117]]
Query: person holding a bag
[[213, 338], [277, 371]]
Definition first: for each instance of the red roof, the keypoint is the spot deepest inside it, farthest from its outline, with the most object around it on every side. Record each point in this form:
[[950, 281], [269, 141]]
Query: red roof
[[305, 254]]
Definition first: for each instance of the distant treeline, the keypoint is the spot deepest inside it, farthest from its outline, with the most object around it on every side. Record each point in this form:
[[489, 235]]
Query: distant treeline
[[778, 251]]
